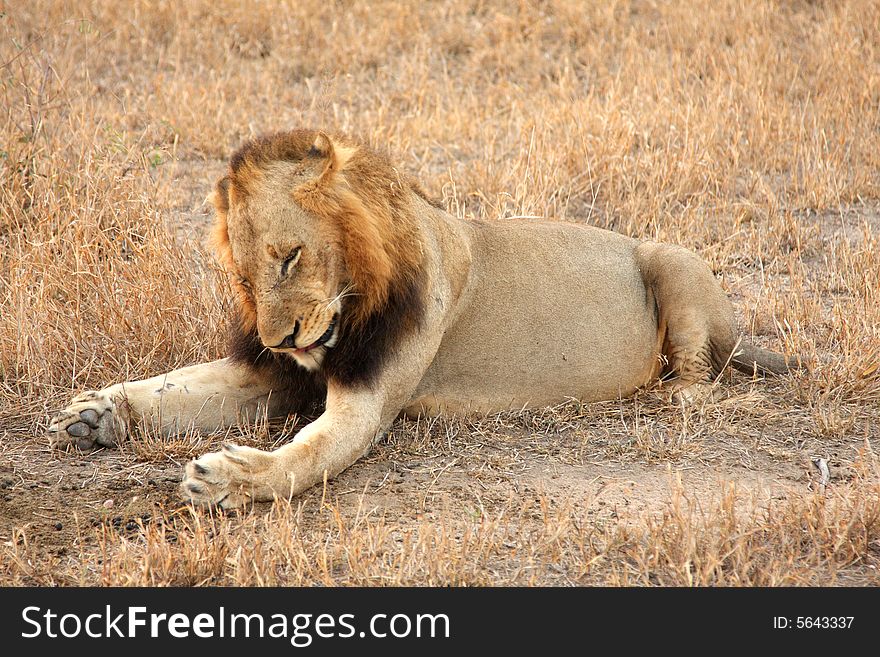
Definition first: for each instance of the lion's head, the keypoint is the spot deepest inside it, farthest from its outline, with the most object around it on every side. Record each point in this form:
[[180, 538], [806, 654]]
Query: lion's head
[[319, 237]]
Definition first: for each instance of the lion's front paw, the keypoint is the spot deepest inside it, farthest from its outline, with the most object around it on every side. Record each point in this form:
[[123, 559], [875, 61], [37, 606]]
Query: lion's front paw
[[232, 477], [92, 418]]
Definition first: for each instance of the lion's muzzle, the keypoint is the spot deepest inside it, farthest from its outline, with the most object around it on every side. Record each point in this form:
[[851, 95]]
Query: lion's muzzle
[[289, 342]]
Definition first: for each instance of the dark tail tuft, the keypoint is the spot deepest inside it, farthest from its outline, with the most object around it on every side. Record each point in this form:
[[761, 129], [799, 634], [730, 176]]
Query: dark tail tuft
[[748, 359]]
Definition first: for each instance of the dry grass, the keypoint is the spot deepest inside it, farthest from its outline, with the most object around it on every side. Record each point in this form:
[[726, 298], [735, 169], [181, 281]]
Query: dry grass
[[819, 539], [748, 131]]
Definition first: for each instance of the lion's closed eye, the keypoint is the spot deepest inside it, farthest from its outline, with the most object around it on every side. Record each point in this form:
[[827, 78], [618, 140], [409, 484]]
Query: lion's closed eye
[[290, 260]]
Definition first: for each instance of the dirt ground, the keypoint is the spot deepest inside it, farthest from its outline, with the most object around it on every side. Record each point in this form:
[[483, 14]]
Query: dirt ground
[[593, 463]]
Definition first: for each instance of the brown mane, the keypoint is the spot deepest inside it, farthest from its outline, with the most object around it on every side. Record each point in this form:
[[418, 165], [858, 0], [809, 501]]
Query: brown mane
[[371, 205]]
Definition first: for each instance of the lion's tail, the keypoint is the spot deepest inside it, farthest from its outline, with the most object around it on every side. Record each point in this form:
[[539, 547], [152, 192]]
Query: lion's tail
[[748, 358]]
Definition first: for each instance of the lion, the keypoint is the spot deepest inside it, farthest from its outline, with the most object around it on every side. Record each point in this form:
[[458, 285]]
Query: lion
[[359, 299]]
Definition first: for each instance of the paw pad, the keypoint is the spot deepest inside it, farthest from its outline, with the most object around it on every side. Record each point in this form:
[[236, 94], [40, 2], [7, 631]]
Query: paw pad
[[79, 430]]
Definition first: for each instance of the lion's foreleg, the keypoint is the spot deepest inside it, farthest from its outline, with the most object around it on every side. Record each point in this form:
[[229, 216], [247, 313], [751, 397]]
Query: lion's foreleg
[[237, 475], [205, 396], [355, 414]]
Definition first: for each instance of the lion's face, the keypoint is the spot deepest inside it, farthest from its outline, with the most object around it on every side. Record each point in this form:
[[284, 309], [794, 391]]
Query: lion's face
[[317, 235], [287, 268]]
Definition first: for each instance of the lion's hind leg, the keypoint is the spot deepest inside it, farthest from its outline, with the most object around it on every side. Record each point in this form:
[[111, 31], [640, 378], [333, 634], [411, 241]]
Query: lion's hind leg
[[695, 320]]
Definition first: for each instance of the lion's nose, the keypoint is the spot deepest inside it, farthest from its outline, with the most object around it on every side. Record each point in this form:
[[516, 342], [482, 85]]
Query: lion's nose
[[290, 341]]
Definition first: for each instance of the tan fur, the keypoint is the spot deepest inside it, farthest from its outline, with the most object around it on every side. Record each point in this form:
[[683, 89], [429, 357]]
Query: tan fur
[[511, 314]]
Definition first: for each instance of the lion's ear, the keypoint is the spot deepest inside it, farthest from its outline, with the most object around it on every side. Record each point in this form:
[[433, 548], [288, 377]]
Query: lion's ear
[[330, 157], [322, 147], [219, 198], [324, 161]]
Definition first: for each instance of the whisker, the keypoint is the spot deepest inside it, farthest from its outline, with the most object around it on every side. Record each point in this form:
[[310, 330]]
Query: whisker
[[342, 295], [260, 355]]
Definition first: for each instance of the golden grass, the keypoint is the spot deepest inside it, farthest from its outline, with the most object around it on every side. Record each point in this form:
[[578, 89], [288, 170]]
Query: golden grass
[[746, 130]]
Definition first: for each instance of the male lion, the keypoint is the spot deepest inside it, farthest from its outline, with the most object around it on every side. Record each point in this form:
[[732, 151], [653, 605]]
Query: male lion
[[359, 295]]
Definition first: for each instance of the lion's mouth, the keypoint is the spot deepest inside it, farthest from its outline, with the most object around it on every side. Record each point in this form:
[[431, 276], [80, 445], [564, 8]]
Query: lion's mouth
[[326, 336]]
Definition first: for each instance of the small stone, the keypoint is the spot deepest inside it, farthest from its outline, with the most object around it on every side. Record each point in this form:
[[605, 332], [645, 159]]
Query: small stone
[[108, 504], [59, 526]]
